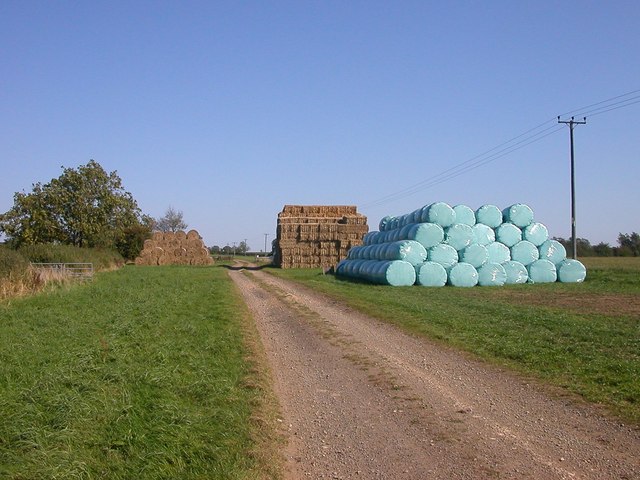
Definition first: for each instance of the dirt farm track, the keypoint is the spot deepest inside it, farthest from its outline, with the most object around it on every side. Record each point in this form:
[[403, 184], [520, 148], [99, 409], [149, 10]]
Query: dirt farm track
[[360, 399]]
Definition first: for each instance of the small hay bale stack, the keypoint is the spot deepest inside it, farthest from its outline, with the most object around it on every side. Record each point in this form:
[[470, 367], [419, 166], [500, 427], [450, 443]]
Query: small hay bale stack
[[174, 248], [311, 236]]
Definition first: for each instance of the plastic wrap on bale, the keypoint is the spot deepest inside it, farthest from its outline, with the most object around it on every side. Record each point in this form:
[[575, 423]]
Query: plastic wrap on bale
[[431, 274], [463, 247], [519, 214], [542, 271], [525, 252], [444, 254], [441, 213], [571, 271], [509, 234], [390, 272], [465, 214], [536, 233], [463, 275], [498, 252], [553, 251], [489, 215], [427, 234], [483, 234], [459, 236], [492, 275], [516, 272], [475, 254]]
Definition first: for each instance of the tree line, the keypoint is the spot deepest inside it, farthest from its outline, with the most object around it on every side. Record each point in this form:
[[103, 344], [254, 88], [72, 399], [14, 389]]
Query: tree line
[[83, 207], [628, 246], [88, 207]]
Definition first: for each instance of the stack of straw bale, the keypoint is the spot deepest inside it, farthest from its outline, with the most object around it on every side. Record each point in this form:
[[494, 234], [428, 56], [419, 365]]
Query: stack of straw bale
[[174, 248], [310, 236]]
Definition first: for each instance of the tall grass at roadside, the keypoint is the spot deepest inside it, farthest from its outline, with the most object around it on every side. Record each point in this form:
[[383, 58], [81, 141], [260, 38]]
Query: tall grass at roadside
[[102, 259], [18, 279], [583, 337], [142, 374]]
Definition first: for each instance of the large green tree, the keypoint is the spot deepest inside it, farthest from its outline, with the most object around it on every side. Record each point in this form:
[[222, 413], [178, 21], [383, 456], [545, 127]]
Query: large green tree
[[85, 207]]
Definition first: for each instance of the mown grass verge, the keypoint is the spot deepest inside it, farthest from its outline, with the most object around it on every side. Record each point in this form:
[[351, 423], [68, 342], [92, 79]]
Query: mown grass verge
[[583, 337], [146, 373]]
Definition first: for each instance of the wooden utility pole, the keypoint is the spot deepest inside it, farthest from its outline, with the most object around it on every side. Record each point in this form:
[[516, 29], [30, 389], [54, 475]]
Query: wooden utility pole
[[572, 123]]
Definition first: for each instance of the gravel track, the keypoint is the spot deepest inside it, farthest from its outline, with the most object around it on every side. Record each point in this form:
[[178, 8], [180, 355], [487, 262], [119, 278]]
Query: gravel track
[[361, 399]]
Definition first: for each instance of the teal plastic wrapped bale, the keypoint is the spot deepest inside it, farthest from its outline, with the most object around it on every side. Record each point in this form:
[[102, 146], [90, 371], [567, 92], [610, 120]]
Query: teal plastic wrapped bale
[[489, 215], [431, 274], [340, 267], [536, 233], [459, 236], [440, 213], [509, 234], [519, 214], [369, 238], [516, 272], [408, 250], [492, 275], [553, 251], [571, 271], [396, 273], [383, 226], [465, 214], [542, 271], [427, 234], [423, 216], [498, 252], [386, 236], [355, 267], [484, 235], [525, 252], [475, 254], [463, 275], [444, 254], [403, 234]]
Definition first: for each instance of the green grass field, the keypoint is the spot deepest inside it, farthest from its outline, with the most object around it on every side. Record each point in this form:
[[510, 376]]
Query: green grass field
[[145, 373], [157, 372], [582, 337]]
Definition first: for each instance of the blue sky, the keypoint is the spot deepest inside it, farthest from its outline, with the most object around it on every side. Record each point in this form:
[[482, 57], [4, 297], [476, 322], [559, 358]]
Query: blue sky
[[228, 111]]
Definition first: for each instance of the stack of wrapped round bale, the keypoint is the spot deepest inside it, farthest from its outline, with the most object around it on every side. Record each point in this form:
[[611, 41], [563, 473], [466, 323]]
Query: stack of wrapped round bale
[[174, 248], [439, 244]]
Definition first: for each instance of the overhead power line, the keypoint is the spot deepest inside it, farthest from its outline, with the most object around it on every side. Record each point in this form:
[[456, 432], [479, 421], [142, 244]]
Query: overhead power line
[[518, 142]]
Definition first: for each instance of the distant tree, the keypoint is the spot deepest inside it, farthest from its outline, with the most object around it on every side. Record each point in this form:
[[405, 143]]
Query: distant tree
[[603, 250], [583, 246], [215, 250], [629, 243], [85, 207], [172, 221], [131, 242], [243, 248]]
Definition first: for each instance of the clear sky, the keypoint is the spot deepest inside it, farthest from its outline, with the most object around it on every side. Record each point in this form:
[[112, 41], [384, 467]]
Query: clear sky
[[230, 110]]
